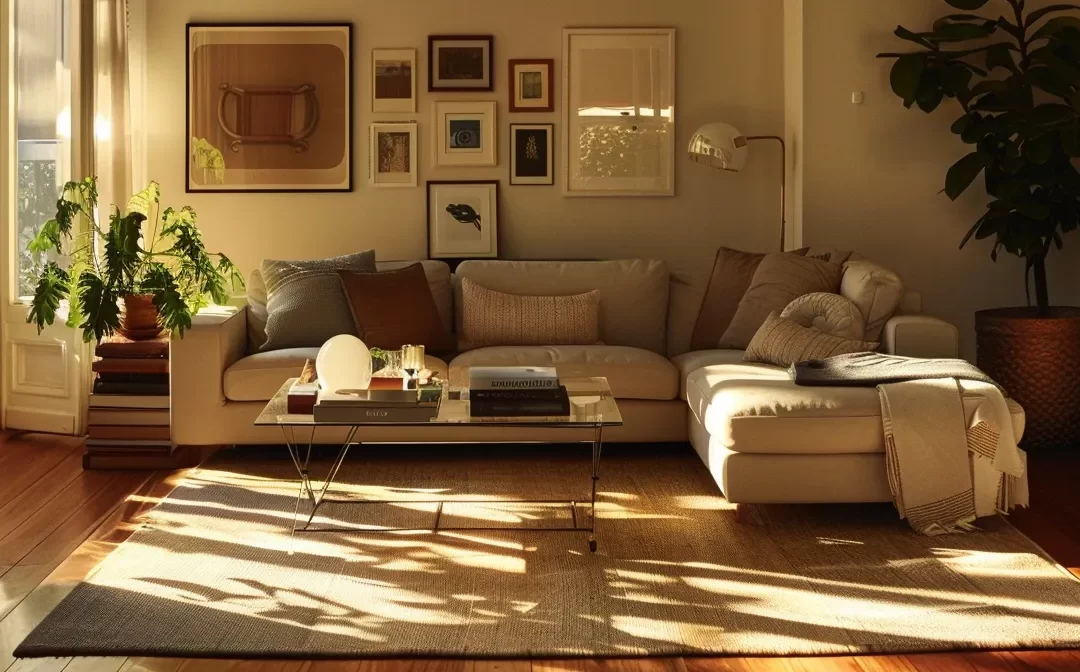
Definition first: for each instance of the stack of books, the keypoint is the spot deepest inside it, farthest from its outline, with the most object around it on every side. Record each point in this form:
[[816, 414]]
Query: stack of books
[[129, 405], [376, 405], [516, 391]]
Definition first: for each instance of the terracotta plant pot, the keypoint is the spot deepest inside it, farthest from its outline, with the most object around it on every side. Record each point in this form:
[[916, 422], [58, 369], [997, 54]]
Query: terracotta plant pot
[[1037, 361], [139, 317]]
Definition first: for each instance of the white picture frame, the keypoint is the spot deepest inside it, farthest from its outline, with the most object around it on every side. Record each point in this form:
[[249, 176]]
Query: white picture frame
[[527, 139], [463, 219], [393, 74], [638, 119], [466, 134], [391, 147]]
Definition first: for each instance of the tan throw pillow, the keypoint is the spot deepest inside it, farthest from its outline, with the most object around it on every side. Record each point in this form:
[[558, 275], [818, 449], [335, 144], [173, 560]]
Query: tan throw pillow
[[828, 313], [395, 308], [731, 275], [781, 342], [495, 318], [876, 290], [778, 280]]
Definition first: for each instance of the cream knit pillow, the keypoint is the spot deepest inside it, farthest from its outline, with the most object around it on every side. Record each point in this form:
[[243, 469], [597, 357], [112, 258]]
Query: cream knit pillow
[[828, 313], [782, 342], [496, 318]]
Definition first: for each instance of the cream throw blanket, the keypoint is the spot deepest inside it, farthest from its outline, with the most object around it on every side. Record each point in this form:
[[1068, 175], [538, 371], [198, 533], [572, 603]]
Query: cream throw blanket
[[947, 468]]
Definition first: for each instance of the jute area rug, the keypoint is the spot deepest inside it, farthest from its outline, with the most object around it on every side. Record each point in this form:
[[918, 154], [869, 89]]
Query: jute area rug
[[210, 573]]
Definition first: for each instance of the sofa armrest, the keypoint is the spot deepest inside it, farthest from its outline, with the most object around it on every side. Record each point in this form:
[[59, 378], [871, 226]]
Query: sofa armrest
[[197, 364], [920, 336]]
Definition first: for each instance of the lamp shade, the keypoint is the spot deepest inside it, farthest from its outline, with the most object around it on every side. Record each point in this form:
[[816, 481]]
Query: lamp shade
[[719, 146], [343, 363]]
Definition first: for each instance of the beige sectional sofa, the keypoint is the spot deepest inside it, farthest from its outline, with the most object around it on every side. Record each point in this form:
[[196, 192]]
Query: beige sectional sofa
[[763, 438]]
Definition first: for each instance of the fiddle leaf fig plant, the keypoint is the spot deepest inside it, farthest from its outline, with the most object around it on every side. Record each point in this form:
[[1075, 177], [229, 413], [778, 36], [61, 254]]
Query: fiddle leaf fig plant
[[167, 262], [1016, 79]]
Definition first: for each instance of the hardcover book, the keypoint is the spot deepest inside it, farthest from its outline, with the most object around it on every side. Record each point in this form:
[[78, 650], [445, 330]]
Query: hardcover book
[[512, 378]]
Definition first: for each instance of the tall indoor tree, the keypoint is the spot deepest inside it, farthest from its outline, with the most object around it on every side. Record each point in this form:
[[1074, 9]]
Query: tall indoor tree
[[1016, 78]]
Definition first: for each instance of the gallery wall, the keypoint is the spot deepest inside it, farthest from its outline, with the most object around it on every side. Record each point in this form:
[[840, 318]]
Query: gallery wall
[[872, 172], [729, 62]]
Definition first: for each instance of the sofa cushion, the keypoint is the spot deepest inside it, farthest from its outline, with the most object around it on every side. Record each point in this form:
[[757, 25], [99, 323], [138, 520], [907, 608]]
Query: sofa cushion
[[876, 291], [756, 408], [395, 308], [258, 377], [497, 318], [633, 292], [632, 373], [438, 277], [689, 362]]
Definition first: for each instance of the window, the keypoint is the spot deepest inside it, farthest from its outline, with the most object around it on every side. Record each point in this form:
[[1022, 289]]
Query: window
[[43, 121]]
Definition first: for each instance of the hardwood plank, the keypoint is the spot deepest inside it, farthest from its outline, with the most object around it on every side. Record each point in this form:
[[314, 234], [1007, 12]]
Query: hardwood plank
[[442, 665], [942, 662], [39, 665], [1038, 661], [331, 666], [152, 665], [39, 493], [885, 664], [739, 664], [611, 665], [105, 664], [20, 472]]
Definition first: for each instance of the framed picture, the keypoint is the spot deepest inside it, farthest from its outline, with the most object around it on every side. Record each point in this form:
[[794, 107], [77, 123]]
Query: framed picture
[[460, 62], [532, 85], [531, 147], [393, 76], [269, 107], [465, 134], [392, 154], [463, 219], [619, 135]]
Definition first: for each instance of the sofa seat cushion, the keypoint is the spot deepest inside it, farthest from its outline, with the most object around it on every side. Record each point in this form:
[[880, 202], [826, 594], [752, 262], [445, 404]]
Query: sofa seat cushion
[[258, 377], [632, 373], [689, 362], [755, 408]]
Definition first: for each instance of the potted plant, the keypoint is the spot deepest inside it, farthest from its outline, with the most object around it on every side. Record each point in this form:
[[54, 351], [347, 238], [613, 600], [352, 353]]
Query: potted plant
[[1016, 78], [161, 276]]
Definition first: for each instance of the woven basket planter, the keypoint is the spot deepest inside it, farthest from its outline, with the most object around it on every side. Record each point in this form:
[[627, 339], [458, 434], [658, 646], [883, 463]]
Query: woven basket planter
[[1037, 361]]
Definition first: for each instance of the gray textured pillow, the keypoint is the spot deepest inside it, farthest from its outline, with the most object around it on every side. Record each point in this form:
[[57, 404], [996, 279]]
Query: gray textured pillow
[[305, 302]]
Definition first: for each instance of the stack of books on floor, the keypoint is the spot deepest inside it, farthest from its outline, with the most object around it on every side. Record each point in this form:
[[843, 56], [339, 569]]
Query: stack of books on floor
[[516, 391], [129, 406]]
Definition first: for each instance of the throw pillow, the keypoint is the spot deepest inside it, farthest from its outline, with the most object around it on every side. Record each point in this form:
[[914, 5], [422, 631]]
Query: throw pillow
[[395, 308], [876, 290], [731, 275], [782, 342], [828, 313], [305, 304], [495, 318], [778, 280]]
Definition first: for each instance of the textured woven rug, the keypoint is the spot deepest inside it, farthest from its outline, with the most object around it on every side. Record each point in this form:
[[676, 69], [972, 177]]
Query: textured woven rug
[[209, 574]]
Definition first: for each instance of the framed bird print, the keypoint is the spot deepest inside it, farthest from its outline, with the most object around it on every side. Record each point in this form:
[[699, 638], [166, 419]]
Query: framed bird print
[[463, 219]]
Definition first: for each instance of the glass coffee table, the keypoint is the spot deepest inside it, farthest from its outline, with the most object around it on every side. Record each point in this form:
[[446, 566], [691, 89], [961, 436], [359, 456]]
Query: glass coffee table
[[592, 407]]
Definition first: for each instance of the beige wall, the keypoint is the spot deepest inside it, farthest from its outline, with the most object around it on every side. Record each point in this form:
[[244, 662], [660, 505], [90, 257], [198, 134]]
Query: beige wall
[[873, 172], [729, 67]]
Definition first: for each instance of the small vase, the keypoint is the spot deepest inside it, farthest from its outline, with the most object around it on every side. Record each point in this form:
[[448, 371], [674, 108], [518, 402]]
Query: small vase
[[139, 318]]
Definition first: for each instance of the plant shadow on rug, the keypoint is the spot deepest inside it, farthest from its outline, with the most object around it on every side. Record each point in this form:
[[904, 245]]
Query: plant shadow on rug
[[209, 573]]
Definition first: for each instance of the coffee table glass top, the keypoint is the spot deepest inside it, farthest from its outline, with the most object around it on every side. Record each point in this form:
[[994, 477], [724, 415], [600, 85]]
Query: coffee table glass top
[[591, 405]]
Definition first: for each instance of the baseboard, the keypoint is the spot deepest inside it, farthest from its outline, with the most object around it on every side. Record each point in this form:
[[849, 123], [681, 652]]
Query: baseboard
[[39, 420]]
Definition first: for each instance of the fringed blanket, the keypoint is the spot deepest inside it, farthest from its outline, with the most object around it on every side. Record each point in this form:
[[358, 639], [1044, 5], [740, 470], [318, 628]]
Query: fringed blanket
[[945, 470]]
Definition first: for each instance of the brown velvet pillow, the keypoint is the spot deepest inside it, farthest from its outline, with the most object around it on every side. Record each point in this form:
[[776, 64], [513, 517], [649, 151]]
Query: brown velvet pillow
[[395, 308], [779, 279], [731, 275]]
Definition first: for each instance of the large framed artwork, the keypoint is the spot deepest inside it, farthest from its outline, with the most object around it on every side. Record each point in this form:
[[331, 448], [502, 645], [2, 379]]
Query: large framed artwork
[[531, 149], [463, 219], [269, 107], [392, 154], [460, 62], [465, 134], [619, 101], [393, 77]]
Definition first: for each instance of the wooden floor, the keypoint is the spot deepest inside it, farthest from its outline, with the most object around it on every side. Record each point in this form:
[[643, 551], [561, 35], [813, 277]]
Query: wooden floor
[[57, 521]]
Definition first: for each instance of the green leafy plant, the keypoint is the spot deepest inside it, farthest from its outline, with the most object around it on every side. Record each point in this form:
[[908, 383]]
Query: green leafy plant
[[1017, 79], [168, 263]]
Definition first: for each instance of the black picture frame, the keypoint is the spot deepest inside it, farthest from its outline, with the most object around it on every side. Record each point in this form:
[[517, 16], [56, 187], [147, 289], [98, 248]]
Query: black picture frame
[[432, 39], [455, 260], [522, 171], [350, 98]]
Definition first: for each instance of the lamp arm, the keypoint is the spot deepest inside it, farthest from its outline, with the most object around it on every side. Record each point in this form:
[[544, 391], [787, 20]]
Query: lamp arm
[[783, 183]]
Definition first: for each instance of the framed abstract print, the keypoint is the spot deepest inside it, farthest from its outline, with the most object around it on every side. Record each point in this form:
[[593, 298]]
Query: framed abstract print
[[269, 107], [618, 89], [463, 219], [532, 85], [531, 148], [460, 62], [465, 134], [392, 155], [393, 77]]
